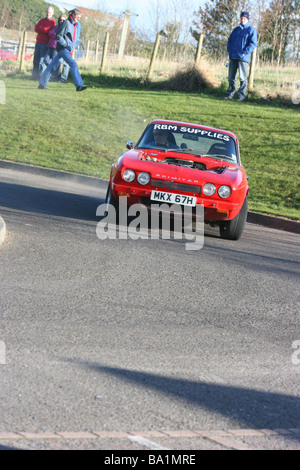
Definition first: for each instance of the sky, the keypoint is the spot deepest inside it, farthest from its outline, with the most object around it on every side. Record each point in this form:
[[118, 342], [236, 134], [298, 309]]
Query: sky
[[118, 6], [138, 7]]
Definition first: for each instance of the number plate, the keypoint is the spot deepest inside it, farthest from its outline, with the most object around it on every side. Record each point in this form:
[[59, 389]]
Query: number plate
[[172, 198]]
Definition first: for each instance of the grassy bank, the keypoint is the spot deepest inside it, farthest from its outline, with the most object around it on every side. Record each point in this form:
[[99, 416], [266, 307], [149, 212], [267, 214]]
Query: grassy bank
[[85, 132]]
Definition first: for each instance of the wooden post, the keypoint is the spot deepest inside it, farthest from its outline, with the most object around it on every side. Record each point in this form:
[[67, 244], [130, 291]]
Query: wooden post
[[87, 50], [104, 54], [153, 57], [124, 34], [251, 72], [97, 51], [199, 49], [22, 61], [20, 48]]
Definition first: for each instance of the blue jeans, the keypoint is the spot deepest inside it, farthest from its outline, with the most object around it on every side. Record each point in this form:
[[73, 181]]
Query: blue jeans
[[236, 65], [62, 77], [50, 54], [55, 75], [64, 73], [38, 59], [66, 56]]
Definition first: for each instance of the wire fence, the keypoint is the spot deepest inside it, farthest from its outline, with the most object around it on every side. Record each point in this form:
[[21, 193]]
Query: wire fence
[[156, 60], [98, 51]]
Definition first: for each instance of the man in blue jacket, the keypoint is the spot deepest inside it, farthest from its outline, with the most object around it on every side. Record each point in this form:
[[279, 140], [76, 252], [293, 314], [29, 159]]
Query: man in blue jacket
[[65, 67], [241, 43], [65, 36]]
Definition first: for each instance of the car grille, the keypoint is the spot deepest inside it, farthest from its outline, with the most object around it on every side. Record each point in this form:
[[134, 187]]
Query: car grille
[[175, 186]]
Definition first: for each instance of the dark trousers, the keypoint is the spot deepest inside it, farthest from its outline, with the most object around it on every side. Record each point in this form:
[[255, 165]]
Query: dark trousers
[[38, 60]]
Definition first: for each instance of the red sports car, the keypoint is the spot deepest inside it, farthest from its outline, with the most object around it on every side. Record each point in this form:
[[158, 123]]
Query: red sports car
[[186, 164]]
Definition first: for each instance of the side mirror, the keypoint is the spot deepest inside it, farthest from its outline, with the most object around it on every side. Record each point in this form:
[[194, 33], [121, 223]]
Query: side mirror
[[129, 145]]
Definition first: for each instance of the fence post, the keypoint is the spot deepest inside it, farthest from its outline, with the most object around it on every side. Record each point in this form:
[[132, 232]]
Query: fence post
[[104, 54], [251, 72], [154, 52], [199, 49], [153, 56], [97, 51], [20, 48], [87, 50], [124, 33], [22, 61]]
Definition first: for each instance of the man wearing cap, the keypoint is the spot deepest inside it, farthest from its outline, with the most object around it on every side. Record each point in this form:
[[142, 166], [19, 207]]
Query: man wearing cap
[[241, 43]]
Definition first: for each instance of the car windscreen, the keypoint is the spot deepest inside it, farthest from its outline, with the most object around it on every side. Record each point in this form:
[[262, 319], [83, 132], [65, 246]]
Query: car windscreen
[[190, 140]]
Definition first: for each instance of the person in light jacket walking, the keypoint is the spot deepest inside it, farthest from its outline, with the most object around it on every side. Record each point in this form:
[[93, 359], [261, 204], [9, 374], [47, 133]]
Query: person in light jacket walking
[[65, 37], [51, 51], [241, 43]]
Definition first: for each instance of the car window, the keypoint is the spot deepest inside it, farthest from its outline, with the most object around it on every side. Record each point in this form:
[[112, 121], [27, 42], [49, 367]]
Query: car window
[[191, 140]]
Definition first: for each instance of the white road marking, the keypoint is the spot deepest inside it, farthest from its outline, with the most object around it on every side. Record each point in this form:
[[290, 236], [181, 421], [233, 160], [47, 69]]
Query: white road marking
[[146, 443]]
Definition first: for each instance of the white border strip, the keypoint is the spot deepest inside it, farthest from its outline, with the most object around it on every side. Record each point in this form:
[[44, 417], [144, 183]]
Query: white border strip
[[2, 230]]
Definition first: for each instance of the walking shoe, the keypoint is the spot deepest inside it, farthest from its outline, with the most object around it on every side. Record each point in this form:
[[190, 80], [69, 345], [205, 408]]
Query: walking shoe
[[42, 87], [81, 88]]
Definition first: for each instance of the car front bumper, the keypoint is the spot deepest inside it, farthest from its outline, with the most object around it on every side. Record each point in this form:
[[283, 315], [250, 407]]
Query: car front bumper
[[214, 208]]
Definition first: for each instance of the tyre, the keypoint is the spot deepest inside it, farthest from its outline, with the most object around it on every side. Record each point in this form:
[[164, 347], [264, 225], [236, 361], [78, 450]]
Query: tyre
[[233, 229], [110, 200]]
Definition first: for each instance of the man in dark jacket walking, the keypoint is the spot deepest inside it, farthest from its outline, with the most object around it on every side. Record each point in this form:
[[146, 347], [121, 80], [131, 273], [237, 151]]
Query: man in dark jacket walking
[[241, 43], [65, 36]]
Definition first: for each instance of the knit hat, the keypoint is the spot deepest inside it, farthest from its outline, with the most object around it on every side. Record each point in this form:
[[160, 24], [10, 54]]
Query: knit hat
[[245, 14]]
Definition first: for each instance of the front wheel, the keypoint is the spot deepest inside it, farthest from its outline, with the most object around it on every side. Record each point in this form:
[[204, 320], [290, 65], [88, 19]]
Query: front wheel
[[233, 229], [110, 200]]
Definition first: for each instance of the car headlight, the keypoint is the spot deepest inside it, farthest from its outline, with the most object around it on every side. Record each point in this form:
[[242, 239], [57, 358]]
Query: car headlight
[[224, 191], [143, 178], [128, 175], [209, 189]]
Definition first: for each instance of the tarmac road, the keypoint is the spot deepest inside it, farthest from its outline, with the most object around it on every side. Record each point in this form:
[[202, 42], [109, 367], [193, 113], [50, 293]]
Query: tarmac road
[[122, 338]]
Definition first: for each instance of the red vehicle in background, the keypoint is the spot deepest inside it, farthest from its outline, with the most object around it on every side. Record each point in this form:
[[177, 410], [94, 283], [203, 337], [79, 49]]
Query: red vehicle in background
[[10, 53], [186, 164]]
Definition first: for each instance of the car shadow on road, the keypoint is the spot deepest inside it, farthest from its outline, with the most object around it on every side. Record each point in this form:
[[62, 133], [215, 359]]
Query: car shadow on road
[[50, 202], [5, 447], [250, 408], [57, 203]]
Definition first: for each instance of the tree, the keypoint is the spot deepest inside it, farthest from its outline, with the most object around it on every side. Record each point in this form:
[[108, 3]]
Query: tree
[[4, 13], [216, 20], [20, 14], [279, 24], [174, 17]]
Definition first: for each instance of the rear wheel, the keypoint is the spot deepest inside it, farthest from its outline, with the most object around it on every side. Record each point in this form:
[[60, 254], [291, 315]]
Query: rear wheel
[[233, 229]]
